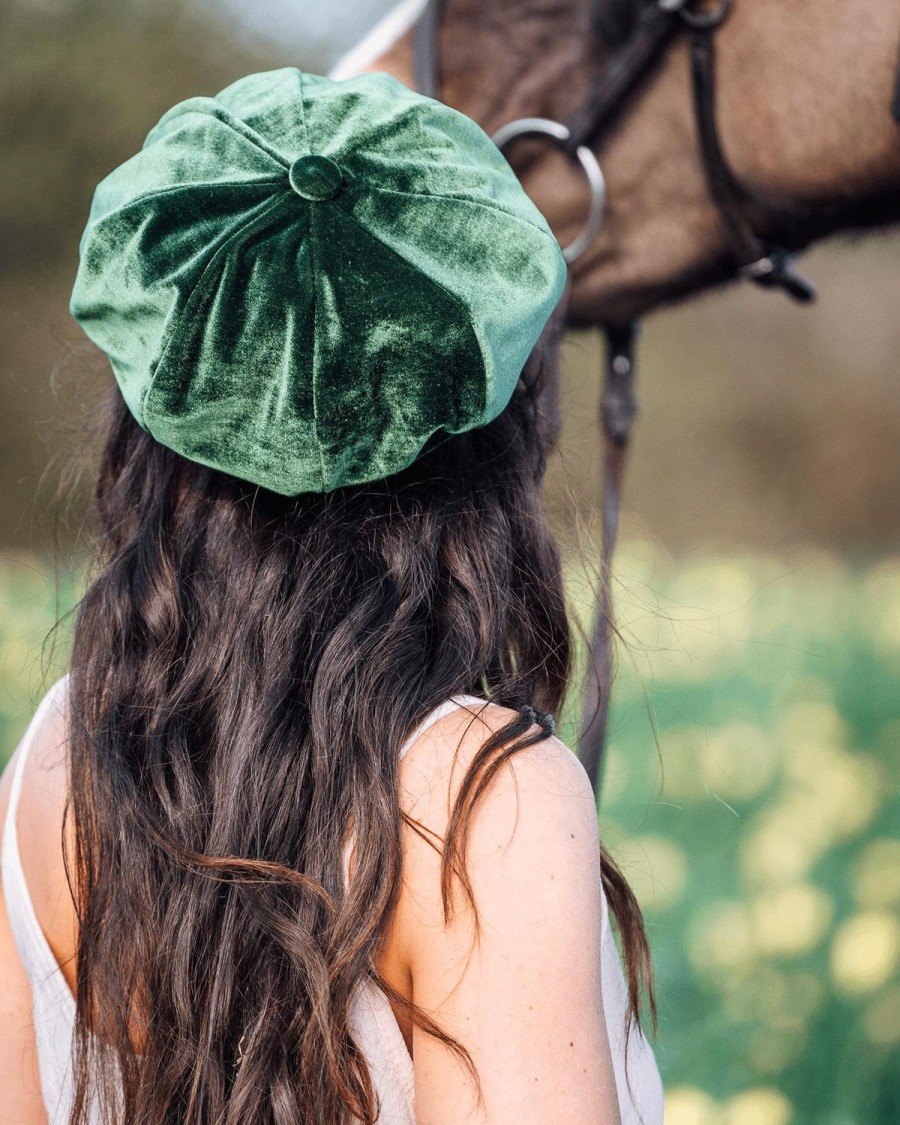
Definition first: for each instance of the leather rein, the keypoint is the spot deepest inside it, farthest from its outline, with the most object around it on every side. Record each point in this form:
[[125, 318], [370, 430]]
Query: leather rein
[[768, 263]]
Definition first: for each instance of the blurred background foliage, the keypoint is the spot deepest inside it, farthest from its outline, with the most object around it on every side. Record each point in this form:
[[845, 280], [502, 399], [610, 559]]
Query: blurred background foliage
[[751, 789], [751, 798]]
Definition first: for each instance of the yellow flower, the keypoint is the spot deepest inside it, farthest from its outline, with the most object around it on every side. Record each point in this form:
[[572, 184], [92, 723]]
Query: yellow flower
[[687, 1105], [865, 952], [762, 1105], [791, 920]]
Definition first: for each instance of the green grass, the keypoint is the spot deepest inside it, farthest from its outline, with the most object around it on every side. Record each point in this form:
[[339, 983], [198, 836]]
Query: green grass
[[750, 795]]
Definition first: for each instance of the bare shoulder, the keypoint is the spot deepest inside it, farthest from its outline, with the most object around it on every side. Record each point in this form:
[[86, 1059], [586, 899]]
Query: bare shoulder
[[44, 776], [44, 773], [523, 993], [538, 810], [434, 767]]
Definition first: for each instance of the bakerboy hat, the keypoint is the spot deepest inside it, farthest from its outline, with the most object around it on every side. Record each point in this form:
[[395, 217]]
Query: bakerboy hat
[[300, 280]]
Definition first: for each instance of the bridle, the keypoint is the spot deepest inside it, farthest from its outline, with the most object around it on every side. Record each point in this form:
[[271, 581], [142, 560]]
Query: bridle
[[766, 262]]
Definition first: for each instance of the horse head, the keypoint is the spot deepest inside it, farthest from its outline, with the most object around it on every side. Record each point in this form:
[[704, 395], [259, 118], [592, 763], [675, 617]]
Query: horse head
[[802, 108]]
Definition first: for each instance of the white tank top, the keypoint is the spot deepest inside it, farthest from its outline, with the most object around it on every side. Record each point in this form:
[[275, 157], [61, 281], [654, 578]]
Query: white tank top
[[372, 1019]]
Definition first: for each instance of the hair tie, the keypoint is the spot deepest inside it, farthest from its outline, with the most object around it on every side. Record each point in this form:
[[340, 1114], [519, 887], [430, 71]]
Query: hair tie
[[543, 719]]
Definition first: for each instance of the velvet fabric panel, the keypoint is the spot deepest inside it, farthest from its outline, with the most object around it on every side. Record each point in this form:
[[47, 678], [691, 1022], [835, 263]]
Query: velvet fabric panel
[[299, 281]]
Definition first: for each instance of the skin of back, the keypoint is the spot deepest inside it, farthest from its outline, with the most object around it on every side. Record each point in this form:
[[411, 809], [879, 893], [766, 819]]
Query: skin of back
[[526, 1002]]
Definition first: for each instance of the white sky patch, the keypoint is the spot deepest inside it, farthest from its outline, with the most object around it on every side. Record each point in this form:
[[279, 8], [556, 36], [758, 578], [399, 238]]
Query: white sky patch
[[322, 29]]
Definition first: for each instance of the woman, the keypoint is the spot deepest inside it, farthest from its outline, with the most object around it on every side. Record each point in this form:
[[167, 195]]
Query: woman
[[290, 841]]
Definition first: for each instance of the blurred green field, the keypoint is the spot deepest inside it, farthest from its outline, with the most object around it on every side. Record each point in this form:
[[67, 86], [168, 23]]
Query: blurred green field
[[750, 795]]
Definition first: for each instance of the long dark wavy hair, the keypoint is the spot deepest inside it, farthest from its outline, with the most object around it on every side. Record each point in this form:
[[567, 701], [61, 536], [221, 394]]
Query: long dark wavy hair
[[245, 667]]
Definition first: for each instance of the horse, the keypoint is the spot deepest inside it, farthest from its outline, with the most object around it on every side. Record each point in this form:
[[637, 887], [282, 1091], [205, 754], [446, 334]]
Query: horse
[[803, 107], [719, 139]]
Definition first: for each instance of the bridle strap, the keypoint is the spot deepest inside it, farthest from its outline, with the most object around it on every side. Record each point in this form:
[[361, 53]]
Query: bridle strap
[[766, 263], [618, 407], [606, 98]]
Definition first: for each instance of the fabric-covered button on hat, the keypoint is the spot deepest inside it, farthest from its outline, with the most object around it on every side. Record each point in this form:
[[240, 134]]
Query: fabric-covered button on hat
[[315, 177], [299, 280]]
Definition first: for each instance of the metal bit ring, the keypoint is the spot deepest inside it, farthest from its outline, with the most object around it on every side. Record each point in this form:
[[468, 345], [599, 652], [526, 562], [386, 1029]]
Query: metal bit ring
[[544, 127]]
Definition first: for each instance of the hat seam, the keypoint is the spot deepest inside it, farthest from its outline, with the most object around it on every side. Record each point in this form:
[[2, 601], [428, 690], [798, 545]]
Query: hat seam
[[189, 186], [302, 101], [218, 111], [199, 288], [313, 254], [458, 301], [472, 203]]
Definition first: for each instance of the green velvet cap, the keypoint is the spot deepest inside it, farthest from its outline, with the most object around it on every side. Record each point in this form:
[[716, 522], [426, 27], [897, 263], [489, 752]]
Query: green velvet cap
[[299, 280]]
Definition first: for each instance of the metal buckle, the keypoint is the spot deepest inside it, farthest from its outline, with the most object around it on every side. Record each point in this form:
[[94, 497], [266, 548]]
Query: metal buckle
[[559, 132], [776, 270]]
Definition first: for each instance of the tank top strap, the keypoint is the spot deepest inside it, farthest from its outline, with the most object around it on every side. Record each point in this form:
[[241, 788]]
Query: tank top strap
[[438, 713], [433, 716]]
